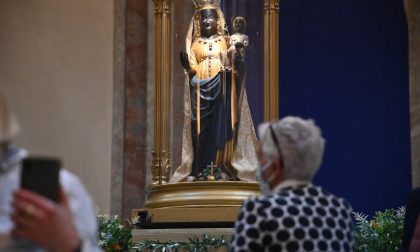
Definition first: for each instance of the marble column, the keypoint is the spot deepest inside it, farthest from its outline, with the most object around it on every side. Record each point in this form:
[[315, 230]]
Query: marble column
[[413, 19], [135, 114]]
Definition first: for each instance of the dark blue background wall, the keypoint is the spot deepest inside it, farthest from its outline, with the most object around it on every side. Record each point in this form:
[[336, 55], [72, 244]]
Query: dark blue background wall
[[345, 64]]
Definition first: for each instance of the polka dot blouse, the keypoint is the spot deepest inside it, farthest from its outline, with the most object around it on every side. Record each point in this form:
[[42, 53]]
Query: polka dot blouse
[[300, 218]]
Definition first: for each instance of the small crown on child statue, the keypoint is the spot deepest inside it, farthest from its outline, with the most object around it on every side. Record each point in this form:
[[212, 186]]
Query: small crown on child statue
[[206, 4]]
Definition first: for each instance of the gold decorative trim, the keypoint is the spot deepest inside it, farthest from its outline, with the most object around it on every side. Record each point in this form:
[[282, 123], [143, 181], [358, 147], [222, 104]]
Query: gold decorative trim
[[200, 194], [271, 59], [161, 156], [166, 215]]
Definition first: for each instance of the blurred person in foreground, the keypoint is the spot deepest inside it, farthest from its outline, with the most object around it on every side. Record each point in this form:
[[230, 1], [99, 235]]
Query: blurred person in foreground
[[411, 230], [414, 245], [31, 222], [292, 214]]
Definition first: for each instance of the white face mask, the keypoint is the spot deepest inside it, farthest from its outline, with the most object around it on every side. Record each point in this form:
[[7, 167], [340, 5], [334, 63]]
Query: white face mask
[[264, 186]]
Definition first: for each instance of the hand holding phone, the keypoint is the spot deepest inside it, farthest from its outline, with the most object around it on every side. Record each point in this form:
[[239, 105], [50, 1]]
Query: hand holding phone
[[48, 224], [41, 175]]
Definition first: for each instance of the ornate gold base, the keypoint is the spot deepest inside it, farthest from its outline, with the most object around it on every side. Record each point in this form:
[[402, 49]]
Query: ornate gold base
[[197, 202], [200, 194]]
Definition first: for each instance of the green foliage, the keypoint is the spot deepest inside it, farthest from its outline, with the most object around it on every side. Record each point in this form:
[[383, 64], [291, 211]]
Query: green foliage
[[193, 245], [382, 233], [113, 235]]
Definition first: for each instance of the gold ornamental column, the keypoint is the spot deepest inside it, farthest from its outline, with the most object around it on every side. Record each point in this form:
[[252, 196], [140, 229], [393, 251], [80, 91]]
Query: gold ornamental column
[[271, 59], [161, 155]]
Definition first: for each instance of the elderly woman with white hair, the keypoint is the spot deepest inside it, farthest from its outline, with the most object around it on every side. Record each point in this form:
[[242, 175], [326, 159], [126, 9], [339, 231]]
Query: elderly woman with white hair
[[292, 214], [31, 222]]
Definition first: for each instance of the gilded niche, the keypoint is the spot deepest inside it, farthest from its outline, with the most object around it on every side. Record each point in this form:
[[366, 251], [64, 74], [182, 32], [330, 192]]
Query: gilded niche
[[219, 141]]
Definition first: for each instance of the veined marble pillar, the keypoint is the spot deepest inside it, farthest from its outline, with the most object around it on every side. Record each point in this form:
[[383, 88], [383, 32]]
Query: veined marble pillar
[[413, 19], [135, 97]]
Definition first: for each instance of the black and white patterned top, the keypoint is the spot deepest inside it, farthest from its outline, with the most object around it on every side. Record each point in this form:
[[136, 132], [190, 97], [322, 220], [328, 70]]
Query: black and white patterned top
[[299, 218]]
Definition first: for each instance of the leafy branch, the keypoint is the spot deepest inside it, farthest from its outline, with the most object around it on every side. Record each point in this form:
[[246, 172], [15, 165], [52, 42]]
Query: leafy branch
[[194, 245], [382, 233]]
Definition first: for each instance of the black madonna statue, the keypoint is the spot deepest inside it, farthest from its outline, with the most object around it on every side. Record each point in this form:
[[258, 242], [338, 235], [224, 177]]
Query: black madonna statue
[[219, 141]]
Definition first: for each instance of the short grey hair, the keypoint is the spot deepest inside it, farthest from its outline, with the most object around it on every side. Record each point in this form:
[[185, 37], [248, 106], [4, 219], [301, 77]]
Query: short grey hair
[[295, 141], [9, 127]]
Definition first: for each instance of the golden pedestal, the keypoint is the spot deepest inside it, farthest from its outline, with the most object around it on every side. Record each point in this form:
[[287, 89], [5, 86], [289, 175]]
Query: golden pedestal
[[195, 204]]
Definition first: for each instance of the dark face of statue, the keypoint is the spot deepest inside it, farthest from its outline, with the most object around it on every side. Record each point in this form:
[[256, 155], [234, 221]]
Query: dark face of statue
[[238, 25], [208, 22]]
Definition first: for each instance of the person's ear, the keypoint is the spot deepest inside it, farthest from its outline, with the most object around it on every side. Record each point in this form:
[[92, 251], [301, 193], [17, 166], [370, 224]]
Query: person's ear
[[277, 173]]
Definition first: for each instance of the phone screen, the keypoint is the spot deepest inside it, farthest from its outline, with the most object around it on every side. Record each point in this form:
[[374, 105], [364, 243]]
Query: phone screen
[[41, 175]]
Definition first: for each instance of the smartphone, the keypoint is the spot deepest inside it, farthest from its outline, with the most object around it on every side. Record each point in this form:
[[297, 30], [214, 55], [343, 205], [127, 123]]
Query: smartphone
[[41, 175]]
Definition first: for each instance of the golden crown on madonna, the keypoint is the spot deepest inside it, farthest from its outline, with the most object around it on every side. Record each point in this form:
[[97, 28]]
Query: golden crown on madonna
[[206, 4]]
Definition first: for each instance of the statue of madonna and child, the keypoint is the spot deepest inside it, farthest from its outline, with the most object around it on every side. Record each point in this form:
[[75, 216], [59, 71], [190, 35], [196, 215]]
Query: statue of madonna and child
[[219, 141]]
